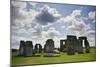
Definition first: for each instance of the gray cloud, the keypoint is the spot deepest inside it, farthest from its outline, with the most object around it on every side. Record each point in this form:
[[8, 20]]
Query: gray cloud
[[47, 15]]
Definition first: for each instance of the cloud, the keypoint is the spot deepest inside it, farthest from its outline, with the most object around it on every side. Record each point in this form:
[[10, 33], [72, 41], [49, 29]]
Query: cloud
[[18, 4], [76, 22], [69, 19], [47, 15], [77, 25], [63, 26], [92, 15], [51, 33], [38, 30], [76, 13], [33, 4], [20, 17]]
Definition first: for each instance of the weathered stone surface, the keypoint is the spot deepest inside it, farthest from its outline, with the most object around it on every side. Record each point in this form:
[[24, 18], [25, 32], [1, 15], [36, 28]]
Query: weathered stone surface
[[38, 48], [22, 48], [87, 46], [26, 48], [62, 45], [72, 44], [49, 46], [80, 46], [86, 43]]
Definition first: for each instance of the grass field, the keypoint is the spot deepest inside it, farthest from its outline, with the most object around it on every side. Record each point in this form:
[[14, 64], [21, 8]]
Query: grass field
[[63, 58]]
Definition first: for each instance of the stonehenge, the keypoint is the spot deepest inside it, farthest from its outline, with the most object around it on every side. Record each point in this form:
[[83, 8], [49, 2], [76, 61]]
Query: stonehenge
[[72, 44]]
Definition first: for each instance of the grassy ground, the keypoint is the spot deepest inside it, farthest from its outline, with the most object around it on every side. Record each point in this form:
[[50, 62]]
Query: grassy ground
[[63, 58]]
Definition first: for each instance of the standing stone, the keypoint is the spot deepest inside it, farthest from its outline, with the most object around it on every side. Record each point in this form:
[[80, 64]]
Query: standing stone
[[62, 45], [38, 48], [75, 43], [86, 43], [49, 46], [80, 46], [87, 47], [22, 48], [70, 44], [28, 48]]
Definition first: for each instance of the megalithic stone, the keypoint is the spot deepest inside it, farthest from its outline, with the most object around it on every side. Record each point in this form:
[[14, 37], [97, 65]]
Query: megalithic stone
[[62, 45], [80, 46], [22, 48], [87, 46], [49, 46], [86, 43], [28, 48], [38, 48], [70, 49], [71, 44], [75, 43]]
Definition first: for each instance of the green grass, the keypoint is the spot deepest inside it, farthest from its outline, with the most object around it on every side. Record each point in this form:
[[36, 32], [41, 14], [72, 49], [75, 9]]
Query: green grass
[[63, 58]]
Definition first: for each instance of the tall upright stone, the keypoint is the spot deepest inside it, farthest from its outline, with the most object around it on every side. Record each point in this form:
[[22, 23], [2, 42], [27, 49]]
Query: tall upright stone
[[70, 44], [38, 48], [87, 46], [49, 46], [75, 43], [62, 45], [84, 40], [80, 46], [22, 48], [28, 48]]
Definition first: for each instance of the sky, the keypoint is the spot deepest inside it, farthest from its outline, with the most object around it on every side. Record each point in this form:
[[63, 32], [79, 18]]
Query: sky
[[38, 21]]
